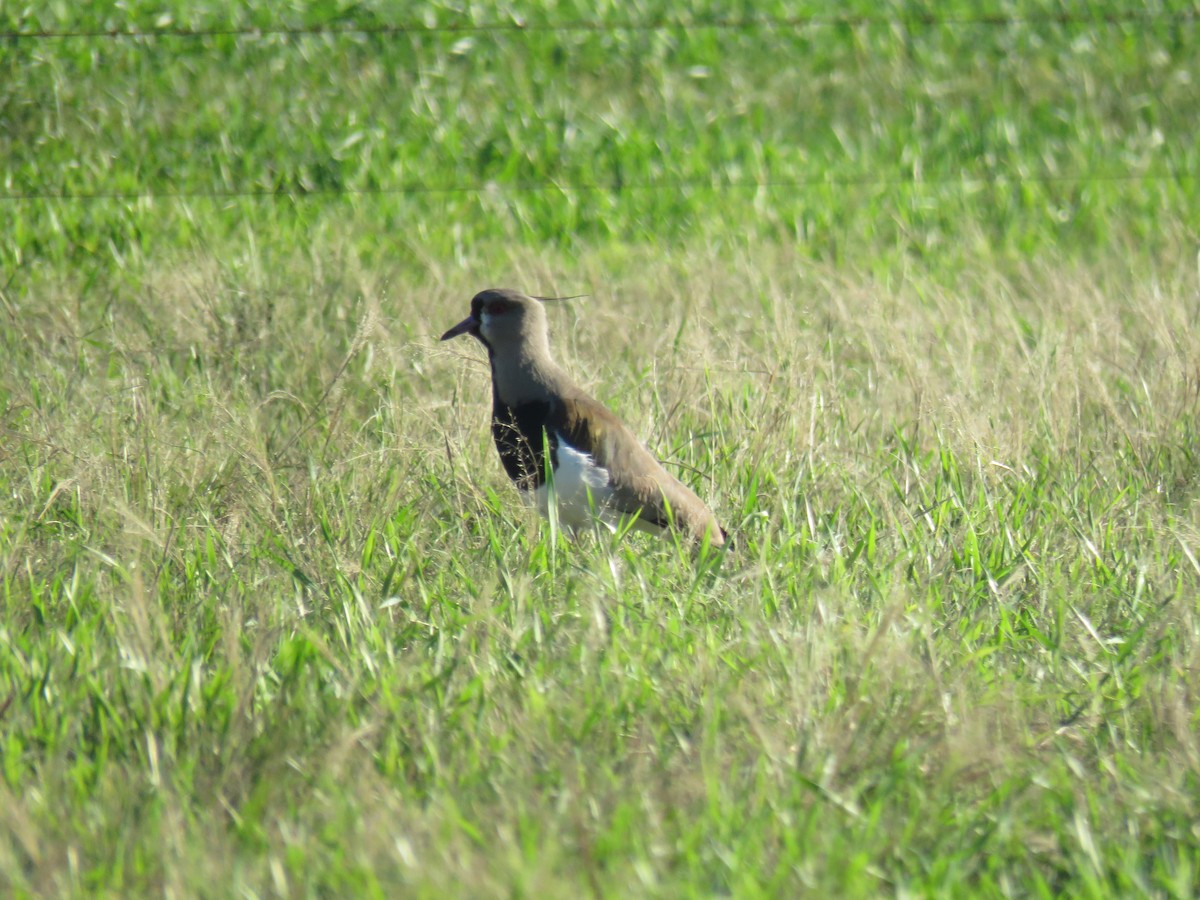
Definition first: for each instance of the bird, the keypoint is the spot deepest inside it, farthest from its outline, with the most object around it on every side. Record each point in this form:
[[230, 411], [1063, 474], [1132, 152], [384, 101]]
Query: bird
[[600, 471]]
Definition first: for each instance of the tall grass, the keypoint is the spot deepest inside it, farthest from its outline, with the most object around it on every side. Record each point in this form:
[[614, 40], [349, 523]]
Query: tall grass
[[913, 305], [274, 622]]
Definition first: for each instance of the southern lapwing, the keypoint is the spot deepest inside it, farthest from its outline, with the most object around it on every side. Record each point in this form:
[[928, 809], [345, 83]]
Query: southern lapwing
[[600, 470]]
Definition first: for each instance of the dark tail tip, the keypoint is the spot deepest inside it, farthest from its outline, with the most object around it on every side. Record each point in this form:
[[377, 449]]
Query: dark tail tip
[[728, 540]]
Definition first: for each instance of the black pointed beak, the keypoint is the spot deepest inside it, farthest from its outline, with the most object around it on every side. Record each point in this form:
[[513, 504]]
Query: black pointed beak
[[469, 325]]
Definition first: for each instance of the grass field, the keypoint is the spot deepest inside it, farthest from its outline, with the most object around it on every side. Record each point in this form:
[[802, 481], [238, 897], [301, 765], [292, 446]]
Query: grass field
[[911, 297]]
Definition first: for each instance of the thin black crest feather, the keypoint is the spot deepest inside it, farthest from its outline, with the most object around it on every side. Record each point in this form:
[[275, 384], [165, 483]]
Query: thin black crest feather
[[560, 299]]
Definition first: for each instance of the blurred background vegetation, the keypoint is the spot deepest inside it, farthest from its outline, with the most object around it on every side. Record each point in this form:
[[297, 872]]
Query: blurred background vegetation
[[137, 129]]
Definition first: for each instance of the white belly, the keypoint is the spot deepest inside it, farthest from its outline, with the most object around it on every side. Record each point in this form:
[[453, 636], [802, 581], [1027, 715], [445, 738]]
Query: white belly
[[581, 491]]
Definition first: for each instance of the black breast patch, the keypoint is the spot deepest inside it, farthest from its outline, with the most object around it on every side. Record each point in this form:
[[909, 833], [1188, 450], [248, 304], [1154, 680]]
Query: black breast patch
[[518, 432]]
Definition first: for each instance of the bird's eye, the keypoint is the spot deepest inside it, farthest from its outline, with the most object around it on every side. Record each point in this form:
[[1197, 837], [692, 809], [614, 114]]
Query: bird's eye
[[497, 308]]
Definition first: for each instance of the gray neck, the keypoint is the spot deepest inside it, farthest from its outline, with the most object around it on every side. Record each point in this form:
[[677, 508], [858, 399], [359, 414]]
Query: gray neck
[[525, 371]]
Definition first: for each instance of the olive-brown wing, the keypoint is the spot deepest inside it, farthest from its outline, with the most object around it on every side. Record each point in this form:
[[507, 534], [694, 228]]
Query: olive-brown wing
[[640, 484]]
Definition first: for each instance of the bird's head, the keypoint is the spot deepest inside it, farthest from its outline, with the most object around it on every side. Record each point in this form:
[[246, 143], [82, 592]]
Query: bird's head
[[503, 319]]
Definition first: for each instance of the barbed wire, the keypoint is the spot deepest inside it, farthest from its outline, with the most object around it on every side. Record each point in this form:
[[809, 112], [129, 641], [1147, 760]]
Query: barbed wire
[[1091, 17], [516, 25], [613, 187]]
